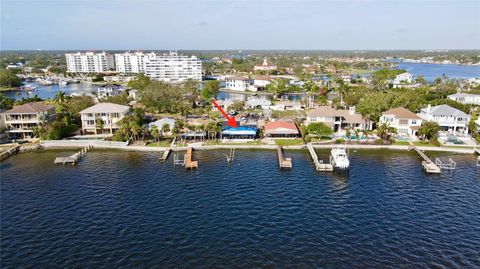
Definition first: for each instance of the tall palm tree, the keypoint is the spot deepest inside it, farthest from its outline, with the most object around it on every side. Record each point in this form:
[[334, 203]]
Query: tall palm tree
[[348, 133], [357, 133]]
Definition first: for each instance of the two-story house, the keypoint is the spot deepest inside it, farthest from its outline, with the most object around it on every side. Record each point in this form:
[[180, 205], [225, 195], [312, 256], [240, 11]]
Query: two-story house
[[237, 83], [402, 119], [109, 90], [448, 118], [104, 115], [21, 120], [338, 119], [465, 98]]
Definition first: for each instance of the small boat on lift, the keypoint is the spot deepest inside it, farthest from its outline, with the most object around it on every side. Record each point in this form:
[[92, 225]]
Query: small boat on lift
[[339, 158], [62, 82]]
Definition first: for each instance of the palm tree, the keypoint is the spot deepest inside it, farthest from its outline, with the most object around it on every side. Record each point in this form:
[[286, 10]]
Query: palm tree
[[348, 133], [154, 132], [59, 98], [357, 133], [165, 129], [98, 125]]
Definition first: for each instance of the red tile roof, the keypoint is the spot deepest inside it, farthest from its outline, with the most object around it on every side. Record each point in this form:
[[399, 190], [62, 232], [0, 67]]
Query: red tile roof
[[274, 125]]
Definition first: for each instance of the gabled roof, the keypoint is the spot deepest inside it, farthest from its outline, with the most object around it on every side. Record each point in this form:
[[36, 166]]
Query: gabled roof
[[29, 108], [106, 108], [444, 110], [401, 113], [323, 111]]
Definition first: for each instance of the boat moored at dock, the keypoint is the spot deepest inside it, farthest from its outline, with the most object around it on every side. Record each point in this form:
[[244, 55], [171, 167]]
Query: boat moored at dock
[[340, 158]]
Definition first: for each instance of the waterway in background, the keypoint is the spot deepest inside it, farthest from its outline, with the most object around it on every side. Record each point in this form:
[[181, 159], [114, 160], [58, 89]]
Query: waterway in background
[[432, 71], [46, 92], [126, 210]]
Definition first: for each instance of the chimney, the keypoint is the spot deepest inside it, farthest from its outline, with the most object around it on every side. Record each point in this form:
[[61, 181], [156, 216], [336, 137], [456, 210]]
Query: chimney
[[351, 110]]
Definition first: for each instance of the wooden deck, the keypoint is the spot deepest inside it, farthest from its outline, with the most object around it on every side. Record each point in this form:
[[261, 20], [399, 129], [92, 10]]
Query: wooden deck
[[9, 151], [319, 166], [189, 164], [164, 156], [284, 163], [429, 166], [74, 158]]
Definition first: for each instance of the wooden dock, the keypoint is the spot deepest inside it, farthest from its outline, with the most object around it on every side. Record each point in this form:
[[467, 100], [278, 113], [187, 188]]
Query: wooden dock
[[319, 165], [7, 152], [284, 163], [429, 166], [189, 164], [74, 158], [164, 156], [477, 150]]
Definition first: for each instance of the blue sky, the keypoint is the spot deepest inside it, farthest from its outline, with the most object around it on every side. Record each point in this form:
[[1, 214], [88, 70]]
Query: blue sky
[[248, 24]]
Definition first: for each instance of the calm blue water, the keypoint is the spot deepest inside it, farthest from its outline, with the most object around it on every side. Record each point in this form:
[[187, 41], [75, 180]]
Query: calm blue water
[[46, 92], [432, 71], [126, 210]]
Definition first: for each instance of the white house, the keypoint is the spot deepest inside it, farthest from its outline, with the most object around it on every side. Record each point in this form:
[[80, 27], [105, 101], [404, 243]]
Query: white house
[[403, 78], [237, 83], [261, 81], [402, 119], [108, 113], [159, 123], [338, 119], [287, 105], [465, 98], [109, 90], [255, 103], [448, 118]]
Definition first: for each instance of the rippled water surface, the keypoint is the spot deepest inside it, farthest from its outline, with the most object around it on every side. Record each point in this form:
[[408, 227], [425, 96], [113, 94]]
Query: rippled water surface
[[125, 210]]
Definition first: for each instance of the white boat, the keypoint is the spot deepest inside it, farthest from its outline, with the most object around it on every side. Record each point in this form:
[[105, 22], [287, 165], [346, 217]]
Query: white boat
[[340, 158], [62, 82]]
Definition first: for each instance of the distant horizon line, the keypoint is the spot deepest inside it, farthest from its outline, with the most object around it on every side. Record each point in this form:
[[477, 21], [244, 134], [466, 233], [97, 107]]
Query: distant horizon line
[[353, 50]]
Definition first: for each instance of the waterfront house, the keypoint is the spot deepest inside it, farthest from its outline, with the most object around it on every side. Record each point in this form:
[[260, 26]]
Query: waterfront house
[[108, 113], [258, 103], [338, 119], [448, 118], [160, 123], [109, 90], [403, 78], [246, 130], [280, 129], [20, 121], [261, 82], [406, 122], [238, 83], [465, 98], [287, 105]]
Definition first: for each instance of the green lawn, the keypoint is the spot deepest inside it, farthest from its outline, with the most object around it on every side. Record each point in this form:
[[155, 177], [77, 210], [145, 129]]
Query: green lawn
[[419, 144], [288, 142], [165, 143]]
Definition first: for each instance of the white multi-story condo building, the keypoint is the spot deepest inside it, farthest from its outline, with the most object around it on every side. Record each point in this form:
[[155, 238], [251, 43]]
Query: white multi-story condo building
[[108, 113], [173, 67], [89, 62], [448, 118], [466, 98], [406, 122], [132, 62], [22, 120]]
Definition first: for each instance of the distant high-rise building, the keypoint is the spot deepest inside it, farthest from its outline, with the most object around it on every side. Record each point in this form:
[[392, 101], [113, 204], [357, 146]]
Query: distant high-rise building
[[173, 67], [131, 62], [89, 62]]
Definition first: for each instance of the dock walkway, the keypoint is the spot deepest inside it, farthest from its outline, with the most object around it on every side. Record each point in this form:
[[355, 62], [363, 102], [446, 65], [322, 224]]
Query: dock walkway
[[188, 160], [165, 154], [284, 163], [428, 165], [74, 158], [319, 166]]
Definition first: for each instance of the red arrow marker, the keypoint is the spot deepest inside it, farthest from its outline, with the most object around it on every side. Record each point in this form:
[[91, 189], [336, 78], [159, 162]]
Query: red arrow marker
[[230, 121]]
